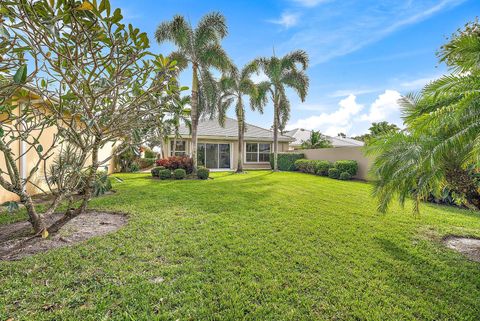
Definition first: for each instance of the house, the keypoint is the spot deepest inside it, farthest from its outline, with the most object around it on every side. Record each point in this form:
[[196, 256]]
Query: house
[[300, 135], [218, 146], [28, 158]]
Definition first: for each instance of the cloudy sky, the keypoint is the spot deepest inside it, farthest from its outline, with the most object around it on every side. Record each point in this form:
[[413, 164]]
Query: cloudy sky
[[364, 54]]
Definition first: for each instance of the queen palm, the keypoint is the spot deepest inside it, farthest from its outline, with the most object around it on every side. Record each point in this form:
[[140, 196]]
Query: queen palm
[[234, 87], [316, 141], [285, 72], [200, 48]]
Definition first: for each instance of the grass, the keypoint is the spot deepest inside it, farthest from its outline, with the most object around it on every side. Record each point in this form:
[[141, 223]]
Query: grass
[[261, 246]]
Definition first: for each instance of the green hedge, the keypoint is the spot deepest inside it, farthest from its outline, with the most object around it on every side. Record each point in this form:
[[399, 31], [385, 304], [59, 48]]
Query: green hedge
[[203, 173], [349, 166], [334, 173], [286, 161]]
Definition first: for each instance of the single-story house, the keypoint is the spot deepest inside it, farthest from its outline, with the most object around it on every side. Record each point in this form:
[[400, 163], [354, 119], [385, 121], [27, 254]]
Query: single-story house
[[218, 146], [300, 135], [27, 160]]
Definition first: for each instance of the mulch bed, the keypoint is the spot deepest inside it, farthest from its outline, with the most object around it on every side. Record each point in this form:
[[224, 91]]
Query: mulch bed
[[16, 240]]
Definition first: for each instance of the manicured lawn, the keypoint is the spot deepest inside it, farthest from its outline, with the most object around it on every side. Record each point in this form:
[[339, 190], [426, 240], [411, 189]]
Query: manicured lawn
[[259, 246]]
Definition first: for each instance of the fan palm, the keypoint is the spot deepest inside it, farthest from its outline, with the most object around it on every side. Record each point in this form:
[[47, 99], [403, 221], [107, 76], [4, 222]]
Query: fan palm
[[282, 73], [316, 141], [233, 87], [200, 48]]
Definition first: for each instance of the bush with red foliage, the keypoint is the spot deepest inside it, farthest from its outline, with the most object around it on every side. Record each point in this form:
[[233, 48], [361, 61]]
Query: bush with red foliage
[[174, 162]]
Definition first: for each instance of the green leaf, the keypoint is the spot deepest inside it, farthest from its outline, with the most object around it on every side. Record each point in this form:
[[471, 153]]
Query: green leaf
[[2, 132], [117, 15], [39, 149], [21, 75]]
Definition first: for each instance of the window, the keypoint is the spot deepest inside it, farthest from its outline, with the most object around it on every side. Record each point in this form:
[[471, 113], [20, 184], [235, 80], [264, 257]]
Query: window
[[257, 153], [181, 148]]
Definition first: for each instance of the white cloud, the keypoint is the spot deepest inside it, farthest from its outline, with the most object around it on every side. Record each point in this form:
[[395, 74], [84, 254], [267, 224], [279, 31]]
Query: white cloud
[[356, 92], [259, 77], [384, 107], [335, 122], [287, 20], [348, 117], [417, 84]]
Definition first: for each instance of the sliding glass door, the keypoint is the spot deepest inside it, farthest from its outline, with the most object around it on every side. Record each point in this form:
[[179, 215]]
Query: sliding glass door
[[214, 156]]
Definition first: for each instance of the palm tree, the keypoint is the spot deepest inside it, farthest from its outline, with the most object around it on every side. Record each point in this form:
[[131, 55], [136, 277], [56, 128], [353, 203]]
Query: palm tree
[[179, 114], [288, 71], [316, 141], [233, 88], [200, 48]]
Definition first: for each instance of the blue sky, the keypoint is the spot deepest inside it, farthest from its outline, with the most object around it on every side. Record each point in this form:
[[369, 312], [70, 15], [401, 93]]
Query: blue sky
[[364, 54]]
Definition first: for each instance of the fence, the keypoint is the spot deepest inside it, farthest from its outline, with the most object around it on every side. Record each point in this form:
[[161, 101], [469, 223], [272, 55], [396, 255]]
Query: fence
[[342, 153]]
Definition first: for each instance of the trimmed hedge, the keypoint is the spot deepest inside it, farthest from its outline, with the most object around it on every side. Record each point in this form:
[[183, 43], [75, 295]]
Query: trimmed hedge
[[203, 173], [345, 176], [318, 167], [164, 174], [286, 161], [322, 167], [155, 171], [179, 173], [334, 173], [349, 166]]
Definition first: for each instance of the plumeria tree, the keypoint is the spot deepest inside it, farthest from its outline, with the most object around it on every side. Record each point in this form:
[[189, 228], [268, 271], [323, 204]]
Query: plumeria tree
[[100, 87], [285, 72]]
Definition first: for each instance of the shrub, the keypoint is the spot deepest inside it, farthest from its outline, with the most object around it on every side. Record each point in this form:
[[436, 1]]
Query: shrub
[[148, 153], [349, 166], [301, 165], [145, 162], [345, 176], [286, 161], [164, 174], [203, 173], [333, 173], [134, 167], [322, 167], [179, 173], [174, 162], [156, 170]]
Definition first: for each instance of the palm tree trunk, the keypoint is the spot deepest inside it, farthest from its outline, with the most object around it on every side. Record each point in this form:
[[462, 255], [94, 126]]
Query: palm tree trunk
[[275, 134], [241, 137], [174, 144], [194, 116]]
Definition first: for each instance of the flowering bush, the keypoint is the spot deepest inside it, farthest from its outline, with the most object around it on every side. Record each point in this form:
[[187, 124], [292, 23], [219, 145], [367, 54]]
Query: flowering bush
[[175, 162]]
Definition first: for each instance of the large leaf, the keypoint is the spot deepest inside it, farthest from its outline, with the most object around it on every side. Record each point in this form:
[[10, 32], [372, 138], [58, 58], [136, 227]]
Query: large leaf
[[86, 6], [21, 75]]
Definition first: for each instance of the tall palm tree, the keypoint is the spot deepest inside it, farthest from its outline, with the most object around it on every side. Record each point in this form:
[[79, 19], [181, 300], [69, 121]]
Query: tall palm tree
[[287, 71], [200, 48], [179, 113], [233, 87]]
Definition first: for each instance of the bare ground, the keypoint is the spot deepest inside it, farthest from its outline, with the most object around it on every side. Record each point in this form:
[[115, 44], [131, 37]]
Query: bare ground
[[16, 239], [469, 247]]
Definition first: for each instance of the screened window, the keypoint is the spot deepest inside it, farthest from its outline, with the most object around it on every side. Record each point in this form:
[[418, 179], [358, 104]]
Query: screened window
[[257, 153], [181, 148]]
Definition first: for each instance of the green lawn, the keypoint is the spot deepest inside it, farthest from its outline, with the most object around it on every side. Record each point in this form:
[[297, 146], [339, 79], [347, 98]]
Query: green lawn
[[260, 246]]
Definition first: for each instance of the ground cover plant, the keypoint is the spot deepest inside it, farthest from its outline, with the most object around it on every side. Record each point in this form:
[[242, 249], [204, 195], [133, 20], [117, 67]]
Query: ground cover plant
[[259, 246]]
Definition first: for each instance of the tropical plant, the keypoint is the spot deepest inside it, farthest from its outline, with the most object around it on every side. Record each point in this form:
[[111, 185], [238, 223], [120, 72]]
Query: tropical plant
[[316, 141], [233, 87], [438, 151], [377, 129], [200, 48], [288, 71], [179, 114]]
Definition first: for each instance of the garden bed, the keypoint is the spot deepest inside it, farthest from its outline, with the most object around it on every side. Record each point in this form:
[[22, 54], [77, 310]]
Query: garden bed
[[16, 240]]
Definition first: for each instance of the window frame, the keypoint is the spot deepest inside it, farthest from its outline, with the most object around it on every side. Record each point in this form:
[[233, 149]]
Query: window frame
[[178, 152], [257, 152]]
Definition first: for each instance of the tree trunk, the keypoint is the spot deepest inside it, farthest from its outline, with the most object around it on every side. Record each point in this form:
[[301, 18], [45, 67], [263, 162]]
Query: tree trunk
[[88, 189], [35, 219], [241, 137], [174, 144], [194, 116], [275, 134]]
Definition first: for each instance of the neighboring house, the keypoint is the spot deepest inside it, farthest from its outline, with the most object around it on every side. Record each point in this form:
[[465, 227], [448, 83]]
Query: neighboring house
[[27, 161], [300, 135], [218, 146]]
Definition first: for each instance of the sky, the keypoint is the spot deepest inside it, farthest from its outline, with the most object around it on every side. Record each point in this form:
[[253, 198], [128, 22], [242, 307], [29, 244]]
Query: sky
[[364, 54]]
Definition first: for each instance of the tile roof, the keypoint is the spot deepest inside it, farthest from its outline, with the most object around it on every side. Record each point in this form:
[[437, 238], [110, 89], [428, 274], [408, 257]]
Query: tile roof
[[211, 128], [300, 135]]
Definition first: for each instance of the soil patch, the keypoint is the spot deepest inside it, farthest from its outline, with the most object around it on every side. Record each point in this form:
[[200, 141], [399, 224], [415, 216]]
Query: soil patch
[[16, 239], [468, 246]]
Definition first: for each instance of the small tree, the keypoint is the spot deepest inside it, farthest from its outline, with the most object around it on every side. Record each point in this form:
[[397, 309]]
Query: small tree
[[316, 141], [101, 86]]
